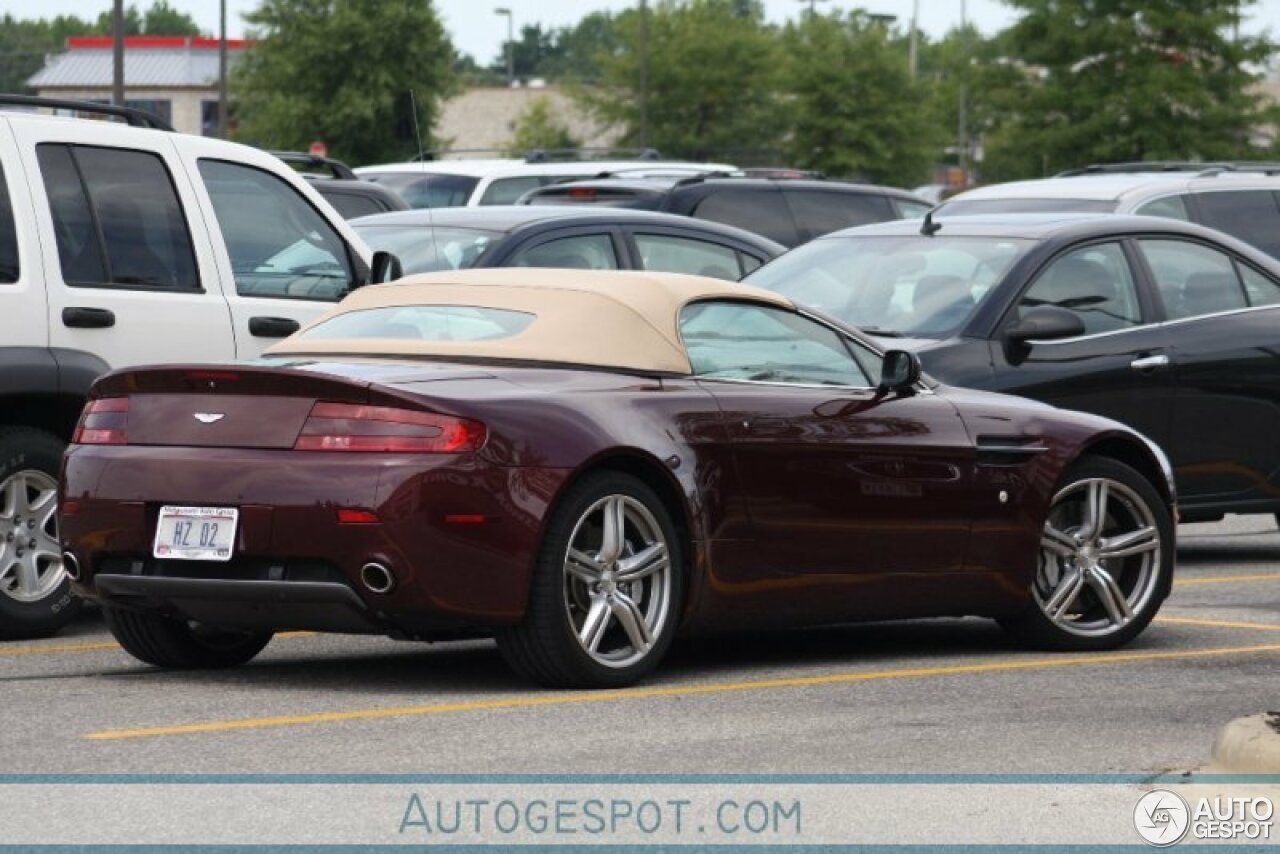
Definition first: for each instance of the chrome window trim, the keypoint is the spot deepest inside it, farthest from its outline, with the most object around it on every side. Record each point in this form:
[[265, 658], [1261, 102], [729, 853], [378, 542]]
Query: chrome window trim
[[1159, 325]]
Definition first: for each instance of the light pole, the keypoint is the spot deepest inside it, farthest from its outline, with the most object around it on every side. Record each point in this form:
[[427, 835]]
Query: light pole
[[913, 49], [222, 70], [511, 44], [813, 9], [644, 74], [117, 53]]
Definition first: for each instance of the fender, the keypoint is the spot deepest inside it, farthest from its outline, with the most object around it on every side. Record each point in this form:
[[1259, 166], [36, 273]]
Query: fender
[[77, 370], [28, 370]]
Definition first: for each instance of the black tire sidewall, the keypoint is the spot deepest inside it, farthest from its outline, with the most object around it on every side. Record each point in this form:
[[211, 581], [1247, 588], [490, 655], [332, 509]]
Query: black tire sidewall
[[1035, 628], [546, 632], [28, 449]]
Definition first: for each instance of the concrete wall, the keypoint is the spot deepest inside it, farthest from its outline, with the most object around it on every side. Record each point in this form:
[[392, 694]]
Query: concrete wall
[[486, 117]]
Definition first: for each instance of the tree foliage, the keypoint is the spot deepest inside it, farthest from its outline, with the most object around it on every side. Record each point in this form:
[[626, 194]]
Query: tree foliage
[[538, 129], [713, 79], [1113, 80], [854, 108], [160, 19], [341, 71]]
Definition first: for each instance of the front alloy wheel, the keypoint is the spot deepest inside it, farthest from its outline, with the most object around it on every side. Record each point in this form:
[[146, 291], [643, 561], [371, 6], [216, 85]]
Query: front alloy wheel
[[1106, 556], [606, 590]]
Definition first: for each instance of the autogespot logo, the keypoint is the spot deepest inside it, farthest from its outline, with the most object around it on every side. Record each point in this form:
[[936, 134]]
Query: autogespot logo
[[1161, 817]]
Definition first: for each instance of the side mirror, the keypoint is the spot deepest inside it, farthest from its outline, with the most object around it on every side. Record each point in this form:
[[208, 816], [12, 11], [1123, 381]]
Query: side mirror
[[386, 268], [899, 371], [1045, 323]]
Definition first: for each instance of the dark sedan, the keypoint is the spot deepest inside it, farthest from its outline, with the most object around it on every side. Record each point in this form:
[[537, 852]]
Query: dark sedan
[[568, 237], [583, 464], [1168, 327]]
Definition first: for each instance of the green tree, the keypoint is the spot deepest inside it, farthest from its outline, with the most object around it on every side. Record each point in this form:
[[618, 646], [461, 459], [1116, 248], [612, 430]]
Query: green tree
[[578, 51], [341, 71], [531, 49], [855, 110], [712, 80], [160, 19], [1112, 80], [537, 129], [25, 45]]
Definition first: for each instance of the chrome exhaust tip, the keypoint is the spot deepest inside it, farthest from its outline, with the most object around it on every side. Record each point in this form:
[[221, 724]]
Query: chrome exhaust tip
[[71, 566], [377, 578]]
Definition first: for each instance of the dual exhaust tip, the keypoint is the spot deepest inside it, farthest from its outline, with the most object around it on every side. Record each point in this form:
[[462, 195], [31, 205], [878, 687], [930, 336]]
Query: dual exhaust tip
[[377, 577]]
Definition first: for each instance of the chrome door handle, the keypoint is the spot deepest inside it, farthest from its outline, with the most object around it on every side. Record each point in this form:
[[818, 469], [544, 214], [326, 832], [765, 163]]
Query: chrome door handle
[[1147, 363]]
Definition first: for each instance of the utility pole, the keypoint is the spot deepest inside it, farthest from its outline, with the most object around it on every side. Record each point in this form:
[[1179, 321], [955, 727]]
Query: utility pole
[[222, 70], [913, 55], [117, 53], [644, 74], [511, 44], [963, 130]]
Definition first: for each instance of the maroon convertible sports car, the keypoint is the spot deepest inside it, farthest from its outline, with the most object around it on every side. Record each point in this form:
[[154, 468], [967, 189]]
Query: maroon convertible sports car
[[582, 464]]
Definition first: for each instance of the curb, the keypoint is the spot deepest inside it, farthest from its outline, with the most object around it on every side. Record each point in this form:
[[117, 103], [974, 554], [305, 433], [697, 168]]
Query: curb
[[1248, 746]]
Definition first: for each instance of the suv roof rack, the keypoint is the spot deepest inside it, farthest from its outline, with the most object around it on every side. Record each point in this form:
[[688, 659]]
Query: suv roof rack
[[135, 118], [1202, 168], [337, 169], [548, 155]]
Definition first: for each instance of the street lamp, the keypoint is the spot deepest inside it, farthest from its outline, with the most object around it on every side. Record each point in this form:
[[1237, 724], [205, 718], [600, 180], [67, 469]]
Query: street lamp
[[511, 44]]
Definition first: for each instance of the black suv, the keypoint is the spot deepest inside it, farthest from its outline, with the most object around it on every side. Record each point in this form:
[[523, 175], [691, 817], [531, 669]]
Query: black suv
[[790, 211]]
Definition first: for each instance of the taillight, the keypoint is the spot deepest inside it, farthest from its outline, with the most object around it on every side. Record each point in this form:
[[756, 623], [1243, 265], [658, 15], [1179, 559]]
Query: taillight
[[348, 427], [582, 193], [103, 422]]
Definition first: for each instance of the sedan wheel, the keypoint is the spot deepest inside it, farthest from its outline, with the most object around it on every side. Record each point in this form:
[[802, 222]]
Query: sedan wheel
[[605, 596], [35, 597], [1105, 561]]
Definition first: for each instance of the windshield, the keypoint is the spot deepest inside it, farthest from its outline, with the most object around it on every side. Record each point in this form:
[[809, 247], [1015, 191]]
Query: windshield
[[916, 286], [426, 250], [427, 189], [969, 207]]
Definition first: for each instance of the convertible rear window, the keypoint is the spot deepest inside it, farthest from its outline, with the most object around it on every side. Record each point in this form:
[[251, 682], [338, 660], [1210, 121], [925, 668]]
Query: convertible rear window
[[424, 323]]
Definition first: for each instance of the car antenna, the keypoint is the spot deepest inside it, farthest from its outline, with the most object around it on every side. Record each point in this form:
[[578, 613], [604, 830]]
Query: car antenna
[[422, 159], [929, 228]]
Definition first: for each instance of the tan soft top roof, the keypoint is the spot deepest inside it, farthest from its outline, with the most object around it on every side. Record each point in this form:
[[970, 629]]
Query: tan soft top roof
[[610, 319]]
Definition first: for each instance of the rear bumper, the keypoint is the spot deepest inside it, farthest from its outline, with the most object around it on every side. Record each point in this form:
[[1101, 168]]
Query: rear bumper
[[295, 565]]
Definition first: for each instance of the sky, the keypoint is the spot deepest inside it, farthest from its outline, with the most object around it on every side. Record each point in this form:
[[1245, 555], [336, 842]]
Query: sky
[[476, 30]]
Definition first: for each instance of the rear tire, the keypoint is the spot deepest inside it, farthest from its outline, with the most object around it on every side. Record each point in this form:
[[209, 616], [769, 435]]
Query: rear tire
[[1105, 562], [607, 589], [35, 593], [178, 644]]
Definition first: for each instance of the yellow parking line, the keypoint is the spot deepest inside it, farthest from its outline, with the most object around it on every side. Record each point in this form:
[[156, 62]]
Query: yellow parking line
[[1225, 579], [85, 647], [1219, 624], [553, 699]]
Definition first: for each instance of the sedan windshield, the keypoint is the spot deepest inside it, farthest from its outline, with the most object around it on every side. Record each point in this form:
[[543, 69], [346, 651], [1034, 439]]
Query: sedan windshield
[[925, 287], [427, 250]]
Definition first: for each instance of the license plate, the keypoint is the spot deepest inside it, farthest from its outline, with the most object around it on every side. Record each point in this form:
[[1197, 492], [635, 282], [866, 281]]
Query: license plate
[[196, 533]]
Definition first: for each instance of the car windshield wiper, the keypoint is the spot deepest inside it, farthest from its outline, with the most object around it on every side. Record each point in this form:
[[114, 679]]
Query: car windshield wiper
[[883, 333]]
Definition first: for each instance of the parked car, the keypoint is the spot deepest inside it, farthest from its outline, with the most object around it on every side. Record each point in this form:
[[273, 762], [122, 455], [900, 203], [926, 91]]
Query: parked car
[[1239, 200], [1166, 326], [583, 464], [338, 185], [790, 211], [468, 183], [122, 244], [573, 237]]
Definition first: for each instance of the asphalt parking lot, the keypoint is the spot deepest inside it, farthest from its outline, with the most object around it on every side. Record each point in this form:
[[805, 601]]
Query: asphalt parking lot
[[940, 696]]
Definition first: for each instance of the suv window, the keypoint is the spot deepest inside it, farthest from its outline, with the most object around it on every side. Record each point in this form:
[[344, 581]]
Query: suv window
[[1250, 215], [819, 212], [580, 252], [279, 245], [1193, 279], [1170, 207], [116, 218], [668, 254], [505, 191], [8, 236], [734, 340], [908, 209], [1095, 283], [762, 211]]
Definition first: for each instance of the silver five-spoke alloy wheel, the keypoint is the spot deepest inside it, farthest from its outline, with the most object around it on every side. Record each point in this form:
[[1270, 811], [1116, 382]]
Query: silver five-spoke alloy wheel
[[30, 555], [1100, 558], [618, 581]]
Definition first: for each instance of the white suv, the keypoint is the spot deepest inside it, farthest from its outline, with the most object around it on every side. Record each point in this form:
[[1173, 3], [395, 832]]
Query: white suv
[[469, 183], [122, 245], [1242, 200]]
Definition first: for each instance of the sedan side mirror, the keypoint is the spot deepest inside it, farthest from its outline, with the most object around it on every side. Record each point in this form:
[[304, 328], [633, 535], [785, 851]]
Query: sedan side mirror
[[386, 268], [1045, 323], [899, 371]]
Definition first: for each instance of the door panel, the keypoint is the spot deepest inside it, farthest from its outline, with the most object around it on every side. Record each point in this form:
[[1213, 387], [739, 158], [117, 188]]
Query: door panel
[[162, 293], [849, 483]]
